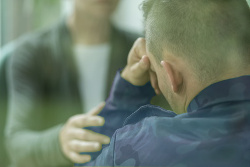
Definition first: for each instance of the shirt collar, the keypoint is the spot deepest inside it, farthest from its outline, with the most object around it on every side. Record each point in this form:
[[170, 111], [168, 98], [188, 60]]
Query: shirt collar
[[236, 89]]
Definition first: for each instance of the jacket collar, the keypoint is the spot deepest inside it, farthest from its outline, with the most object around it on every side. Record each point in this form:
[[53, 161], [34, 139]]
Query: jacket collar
[[236, 89]]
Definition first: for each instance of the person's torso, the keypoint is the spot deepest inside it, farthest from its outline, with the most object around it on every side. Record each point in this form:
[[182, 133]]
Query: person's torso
[[217, 136]]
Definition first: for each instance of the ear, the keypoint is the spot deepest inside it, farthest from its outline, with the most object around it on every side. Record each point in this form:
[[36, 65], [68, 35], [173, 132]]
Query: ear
[[175, 77]]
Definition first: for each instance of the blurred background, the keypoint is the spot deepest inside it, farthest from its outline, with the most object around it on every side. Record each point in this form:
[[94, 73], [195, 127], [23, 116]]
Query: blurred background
[[22, 16], [19, 17]]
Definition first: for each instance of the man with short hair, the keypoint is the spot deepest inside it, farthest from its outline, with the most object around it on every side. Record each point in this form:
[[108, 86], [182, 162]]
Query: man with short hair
[[197, 54]]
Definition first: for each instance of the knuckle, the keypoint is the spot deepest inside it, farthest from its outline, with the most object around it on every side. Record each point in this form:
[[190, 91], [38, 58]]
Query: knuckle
[[84, 134], [140, 40], [71, 120], [73, 145], [76, 148], [85, 118], [67, 133]]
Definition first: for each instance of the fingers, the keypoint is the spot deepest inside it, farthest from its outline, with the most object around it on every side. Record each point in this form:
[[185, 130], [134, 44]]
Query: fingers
[[154, 82], [89, 119], [84, 146], [141, 67], [77, 158], [73, 139], [137, 51], [136, 70], [140, 46], [97, 109], [82, 140], [87, 135], [82, 121], [144, 63]]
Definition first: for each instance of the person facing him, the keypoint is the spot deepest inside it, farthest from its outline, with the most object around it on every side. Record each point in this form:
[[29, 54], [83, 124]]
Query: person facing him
[[197, 54], [56, 75]]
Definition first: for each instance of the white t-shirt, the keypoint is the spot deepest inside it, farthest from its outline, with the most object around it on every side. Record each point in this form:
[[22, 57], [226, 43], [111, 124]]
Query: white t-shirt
[[92, 62]]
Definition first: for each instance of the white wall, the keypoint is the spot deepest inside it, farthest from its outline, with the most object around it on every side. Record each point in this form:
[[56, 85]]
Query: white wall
[[127, 16]]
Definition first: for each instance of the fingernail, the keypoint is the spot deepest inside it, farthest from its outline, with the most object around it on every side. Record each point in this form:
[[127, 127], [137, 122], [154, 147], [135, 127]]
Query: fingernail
[[89, 158], [97, 145], [100, 120], [106, 140]]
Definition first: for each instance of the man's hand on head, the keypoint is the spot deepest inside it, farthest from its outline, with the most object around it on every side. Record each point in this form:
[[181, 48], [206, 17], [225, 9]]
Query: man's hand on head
[[137, 70], [74, 139]]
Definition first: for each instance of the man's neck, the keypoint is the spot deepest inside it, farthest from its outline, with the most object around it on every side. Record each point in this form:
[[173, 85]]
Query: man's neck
[[195, 87], [88, 31]]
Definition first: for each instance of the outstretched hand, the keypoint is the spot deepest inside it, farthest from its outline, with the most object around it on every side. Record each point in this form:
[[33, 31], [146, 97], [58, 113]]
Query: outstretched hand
[[74, 139]]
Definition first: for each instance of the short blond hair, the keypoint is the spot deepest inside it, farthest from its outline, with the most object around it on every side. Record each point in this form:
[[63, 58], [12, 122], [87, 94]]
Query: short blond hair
[[204, 32]]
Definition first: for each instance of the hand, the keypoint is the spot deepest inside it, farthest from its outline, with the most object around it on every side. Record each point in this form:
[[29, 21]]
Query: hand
[[137, 70], [74, 139]]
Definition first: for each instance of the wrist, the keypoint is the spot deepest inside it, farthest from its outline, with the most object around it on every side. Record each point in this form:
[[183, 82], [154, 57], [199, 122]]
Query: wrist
[[126, 95], [125, 76]]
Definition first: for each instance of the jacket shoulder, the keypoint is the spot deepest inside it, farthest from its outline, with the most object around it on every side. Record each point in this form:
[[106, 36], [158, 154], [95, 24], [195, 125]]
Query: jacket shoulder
[[148, 111]]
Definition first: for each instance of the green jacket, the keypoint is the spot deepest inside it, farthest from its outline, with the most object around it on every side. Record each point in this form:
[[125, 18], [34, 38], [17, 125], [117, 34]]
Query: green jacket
[[44, 93]]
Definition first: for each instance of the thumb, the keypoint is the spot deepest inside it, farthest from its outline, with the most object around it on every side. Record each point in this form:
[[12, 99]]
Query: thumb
[[96, 110], [144, 62], [142, 66]]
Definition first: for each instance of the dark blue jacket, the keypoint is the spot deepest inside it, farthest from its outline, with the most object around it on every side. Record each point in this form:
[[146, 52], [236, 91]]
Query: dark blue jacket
[[215, 132]]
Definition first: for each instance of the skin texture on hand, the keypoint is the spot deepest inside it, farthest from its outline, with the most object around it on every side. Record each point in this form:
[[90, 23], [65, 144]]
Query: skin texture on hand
[[137, 70], [74, 139]]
